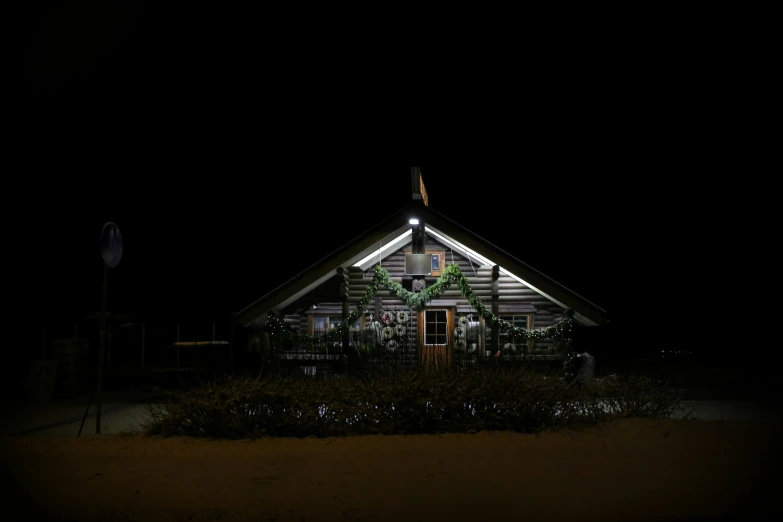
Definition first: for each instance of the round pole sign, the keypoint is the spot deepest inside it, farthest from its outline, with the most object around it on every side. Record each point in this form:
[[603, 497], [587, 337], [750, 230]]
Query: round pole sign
[[111, 244]]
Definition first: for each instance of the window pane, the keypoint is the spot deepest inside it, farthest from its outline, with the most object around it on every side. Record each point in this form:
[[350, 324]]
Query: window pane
[[435, 327], [519, 321], [334, 322], [441, 328], [319, 323]]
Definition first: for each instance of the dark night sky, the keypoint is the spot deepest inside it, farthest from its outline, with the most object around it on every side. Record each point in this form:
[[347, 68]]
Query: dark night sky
[[215, 160], [206, 245], [199, 243]]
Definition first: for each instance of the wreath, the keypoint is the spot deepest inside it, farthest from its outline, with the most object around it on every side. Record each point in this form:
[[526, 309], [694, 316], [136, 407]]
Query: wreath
[[388, 333], [459, 332], [391, 345], [387, 318], [463, 321], [402, 316], [460, 344], [400, 329]]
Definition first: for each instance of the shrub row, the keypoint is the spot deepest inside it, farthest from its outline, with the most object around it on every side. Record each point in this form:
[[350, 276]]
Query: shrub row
[[412, 402]]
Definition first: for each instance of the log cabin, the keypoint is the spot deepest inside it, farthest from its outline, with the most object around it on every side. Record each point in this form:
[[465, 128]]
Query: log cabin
[[419, 289]]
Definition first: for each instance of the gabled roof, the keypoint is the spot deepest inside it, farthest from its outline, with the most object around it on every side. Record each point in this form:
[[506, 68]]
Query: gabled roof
[[393, 233]]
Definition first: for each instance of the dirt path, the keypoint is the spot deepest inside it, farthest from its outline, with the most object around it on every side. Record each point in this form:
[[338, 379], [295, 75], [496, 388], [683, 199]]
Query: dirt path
[[629, 470]]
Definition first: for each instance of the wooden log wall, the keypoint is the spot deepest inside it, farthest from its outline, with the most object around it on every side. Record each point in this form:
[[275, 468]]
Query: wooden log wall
[[350, 285], [344, 278]]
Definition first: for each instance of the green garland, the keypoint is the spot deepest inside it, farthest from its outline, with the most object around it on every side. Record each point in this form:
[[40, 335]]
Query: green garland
[[419, 300], [451, 275]]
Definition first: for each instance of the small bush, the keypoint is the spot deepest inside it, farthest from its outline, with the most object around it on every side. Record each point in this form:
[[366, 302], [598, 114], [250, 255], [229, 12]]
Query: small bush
[[615, 397], [412, 402]]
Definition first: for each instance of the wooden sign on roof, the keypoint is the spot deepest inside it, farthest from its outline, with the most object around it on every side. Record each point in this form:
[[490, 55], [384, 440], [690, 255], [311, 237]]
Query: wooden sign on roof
[[417, 185]]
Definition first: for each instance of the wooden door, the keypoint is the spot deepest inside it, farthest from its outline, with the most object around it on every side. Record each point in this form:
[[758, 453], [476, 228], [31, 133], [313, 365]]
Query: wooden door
[[436, 340]]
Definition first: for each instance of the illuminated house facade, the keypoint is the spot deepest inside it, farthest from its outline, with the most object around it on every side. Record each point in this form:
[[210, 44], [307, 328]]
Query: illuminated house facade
[[414, 247]]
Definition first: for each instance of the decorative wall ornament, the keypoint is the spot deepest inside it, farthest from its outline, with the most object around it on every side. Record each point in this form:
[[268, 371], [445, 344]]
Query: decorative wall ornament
[[463, 321], [459, 332], [402, 316], [391, 345], [400, 330], [372, 333], [387, 317], [474, 330], [388, 333]]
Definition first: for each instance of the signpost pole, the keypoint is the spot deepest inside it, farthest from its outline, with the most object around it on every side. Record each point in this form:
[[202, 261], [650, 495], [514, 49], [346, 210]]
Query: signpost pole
[[102, 348], [111, 251]]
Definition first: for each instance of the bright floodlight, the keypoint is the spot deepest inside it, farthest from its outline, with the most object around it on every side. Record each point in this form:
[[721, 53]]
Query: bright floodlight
[[413, 221]]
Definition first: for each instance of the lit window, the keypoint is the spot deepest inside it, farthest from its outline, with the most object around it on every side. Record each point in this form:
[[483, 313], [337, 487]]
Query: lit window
[[325, 323], [519, 321]]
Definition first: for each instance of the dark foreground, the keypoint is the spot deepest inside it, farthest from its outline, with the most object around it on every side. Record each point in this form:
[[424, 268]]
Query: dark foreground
[[628, 470]]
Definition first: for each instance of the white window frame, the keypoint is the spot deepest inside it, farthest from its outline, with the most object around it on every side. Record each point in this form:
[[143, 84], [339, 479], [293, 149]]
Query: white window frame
[[446, 341]]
